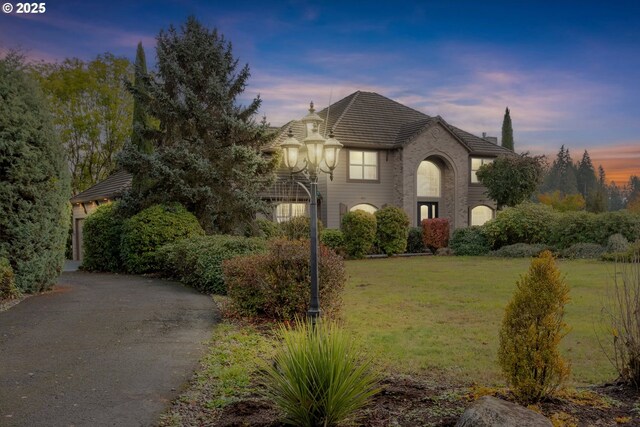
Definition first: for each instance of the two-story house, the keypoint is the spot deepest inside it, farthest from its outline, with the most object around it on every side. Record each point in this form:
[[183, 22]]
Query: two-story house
[[394, 155]]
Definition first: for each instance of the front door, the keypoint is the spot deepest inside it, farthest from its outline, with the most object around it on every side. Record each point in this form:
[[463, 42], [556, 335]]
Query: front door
[[427, 210]]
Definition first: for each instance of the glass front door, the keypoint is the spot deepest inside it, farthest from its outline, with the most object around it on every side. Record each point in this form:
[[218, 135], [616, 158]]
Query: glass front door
[[427, 210]]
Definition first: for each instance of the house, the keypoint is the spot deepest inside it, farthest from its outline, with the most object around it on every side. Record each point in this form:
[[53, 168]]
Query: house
[[88, 201], [395, 155]]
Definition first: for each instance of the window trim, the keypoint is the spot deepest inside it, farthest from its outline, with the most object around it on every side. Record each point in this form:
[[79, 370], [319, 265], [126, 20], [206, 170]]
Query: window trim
[[348, 162], [471, 166], [368, 204]]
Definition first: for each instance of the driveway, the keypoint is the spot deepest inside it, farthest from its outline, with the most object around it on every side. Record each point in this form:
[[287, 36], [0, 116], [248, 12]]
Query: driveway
[[100, 350]]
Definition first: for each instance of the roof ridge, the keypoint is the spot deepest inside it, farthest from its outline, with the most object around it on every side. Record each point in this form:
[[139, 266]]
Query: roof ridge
[[337, 122]]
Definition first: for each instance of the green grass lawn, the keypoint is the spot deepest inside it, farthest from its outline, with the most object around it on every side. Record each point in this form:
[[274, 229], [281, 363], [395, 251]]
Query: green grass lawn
[[444, 313]]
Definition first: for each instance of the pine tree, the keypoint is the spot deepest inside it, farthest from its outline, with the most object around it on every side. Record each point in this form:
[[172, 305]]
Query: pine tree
[[34, 181], [600, 201], [616, 200], [562, 175], [207, 151], [140, 117], [586, 176], [507, 131]]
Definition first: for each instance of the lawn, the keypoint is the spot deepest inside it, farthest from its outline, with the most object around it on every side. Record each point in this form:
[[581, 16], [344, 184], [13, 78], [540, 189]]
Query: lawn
[[443, 313]]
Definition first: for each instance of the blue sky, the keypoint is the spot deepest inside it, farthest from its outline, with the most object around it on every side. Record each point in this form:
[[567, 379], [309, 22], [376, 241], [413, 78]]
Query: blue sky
[[568, 70]]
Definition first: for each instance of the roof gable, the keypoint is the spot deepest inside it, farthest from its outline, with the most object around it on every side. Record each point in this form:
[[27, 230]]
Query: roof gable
[[113, 186]]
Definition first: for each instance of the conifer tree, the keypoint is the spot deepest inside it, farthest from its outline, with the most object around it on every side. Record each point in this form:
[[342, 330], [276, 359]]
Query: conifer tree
[[140, 116], [507, 130], [586, 176], [562, 175], [34, 181], [600, 202], [616, 200], [207, 152]]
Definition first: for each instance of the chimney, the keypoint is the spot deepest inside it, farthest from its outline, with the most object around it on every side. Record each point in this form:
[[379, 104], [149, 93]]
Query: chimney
[[484, 134], [493, 139]]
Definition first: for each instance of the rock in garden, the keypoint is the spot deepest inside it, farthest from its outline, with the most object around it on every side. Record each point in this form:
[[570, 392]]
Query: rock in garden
[[492, 412]]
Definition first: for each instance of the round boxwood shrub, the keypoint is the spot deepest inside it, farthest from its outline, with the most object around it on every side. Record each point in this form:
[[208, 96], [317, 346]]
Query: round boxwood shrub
[[101, 239], [469, 241], [333, 239], [359, 229], [392, 230], [524, 223], [415, 241], [145, 232]]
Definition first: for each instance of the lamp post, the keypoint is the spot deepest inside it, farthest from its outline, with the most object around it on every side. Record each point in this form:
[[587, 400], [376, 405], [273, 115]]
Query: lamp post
[[320, 156]]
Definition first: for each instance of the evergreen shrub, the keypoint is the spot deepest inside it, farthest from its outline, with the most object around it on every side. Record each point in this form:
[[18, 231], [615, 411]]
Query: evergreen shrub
[[147, 231], [101, 237], [524, 223], [415, 241], [298, 228], [275, 284], [469, 241], [629, 255], [584, 251], [392, 229], [531, 331], [359, 229], [617, 243], [333, 239], [320, 376], [197, 261], [623, 222], [269, 229], [8, 288], [570, 228], [34, 181], [520, 250], [435, 233]]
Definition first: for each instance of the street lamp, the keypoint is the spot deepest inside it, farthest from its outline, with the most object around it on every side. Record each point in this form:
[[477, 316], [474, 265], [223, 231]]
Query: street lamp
[[319, 155]]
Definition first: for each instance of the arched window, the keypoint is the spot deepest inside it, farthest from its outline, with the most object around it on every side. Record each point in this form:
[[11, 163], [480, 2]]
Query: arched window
[[429, 179], [364, 207], [286, 211], [481, 214]]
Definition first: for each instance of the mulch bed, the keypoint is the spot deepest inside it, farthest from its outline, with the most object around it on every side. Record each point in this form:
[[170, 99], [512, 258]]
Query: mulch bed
[[423, 401]]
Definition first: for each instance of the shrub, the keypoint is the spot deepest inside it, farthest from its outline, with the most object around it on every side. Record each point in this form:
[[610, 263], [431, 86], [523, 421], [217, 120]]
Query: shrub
[[574, 227], [333, 239], [101, 237], [617, 243], [525, 223], [520, 250], [531, 331], [8, 288], [392, 229], [444, 252], [435, 233], [298, 228], [415, 241], [622, 222], [622, 315], [268, 229], [359, 229], [197, 261], [583, 251], [633, 251], [469, 241], [34, 181], [319, 377], [145, 232], [275, 284]]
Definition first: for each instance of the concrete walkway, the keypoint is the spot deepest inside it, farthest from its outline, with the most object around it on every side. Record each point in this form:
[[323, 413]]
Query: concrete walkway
[[100, 350]]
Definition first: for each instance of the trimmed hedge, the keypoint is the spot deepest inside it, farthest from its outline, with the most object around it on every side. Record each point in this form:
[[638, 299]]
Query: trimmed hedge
[[520, 250], [526, 223], [392, 230], [469, 241], [102, 233], [145, 232], [359, 229], [415, 241], [435, 233], [333, 239], [584, 251], [275, 285], [570, 228], [8, 288], [197, 261]]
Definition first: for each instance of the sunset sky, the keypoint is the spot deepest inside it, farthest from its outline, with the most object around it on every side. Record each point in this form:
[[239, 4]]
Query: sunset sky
[[568, 70]]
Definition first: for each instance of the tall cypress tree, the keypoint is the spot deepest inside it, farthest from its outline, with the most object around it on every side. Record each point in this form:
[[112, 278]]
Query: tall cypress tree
[[140, 116], [507, 131]]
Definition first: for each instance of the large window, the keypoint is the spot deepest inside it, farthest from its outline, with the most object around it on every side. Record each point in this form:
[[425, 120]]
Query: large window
[[364, 207], [286, 211], [476, 162], [481, 214], [363, 165], [429, 179]]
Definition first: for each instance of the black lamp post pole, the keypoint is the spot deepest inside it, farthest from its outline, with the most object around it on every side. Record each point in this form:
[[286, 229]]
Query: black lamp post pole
[[314, 306]]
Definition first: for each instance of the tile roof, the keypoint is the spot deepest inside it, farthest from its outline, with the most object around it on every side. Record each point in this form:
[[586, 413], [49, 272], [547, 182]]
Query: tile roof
[[367, 119], [111, 187]]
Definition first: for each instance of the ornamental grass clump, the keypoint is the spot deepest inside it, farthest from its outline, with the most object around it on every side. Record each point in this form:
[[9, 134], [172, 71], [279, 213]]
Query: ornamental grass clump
[[531, 331], [319, 377]]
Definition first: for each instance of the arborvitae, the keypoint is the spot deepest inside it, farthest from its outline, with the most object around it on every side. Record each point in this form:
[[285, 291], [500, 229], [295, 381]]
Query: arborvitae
[[507, 131], [34, 181], [532, 328], [140, 116]]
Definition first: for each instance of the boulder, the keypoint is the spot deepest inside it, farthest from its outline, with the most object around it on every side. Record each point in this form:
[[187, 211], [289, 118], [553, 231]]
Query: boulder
[[492, 412]]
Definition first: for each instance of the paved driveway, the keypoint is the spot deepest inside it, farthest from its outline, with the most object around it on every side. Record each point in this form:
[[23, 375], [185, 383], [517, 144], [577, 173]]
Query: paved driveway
[[99, 350]]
